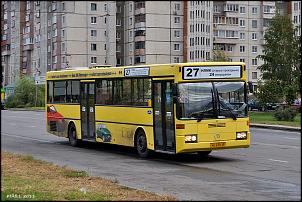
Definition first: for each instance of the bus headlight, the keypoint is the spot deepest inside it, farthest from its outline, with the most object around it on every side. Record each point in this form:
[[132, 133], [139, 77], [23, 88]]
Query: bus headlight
[[241, 135], [190, 138]]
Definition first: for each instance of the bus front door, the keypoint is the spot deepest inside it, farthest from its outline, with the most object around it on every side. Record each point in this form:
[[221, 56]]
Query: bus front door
[[87, 111], [163, 116]]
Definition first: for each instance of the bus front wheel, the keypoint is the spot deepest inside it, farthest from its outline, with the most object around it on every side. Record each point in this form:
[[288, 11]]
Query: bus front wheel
[[141, 144], [72, 136]]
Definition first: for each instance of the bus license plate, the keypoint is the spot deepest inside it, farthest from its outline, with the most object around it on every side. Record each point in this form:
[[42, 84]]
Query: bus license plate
[[217, 144]]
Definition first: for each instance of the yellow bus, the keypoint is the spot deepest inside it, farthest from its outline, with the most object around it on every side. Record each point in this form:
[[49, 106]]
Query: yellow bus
[[171, 108]]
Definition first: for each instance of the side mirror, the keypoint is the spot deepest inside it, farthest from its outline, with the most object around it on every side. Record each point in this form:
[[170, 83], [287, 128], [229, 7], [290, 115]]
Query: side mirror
[[251, 87]]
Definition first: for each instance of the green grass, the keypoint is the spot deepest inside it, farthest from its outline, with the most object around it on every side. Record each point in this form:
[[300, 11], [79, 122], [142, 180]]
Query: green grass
[[268, 118], [24, 178]]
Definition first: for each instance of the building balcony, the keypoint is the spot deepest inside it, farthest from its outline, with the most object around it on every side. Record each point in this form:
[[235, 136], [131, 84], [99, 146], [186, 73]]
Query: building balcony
[[140, 24], [28, 47], [139, 52], [140, 38], [139, 11], [225, 40]]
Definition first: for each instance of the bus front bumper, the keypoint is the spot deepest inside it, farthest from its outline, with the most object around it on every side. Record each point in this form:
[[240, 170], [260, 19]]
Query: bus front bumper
[[183, 147]]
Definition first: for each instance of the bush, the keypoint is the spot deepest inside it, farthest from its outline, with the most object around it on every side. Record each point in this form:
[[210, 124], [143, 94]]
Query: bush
[[287, 114]]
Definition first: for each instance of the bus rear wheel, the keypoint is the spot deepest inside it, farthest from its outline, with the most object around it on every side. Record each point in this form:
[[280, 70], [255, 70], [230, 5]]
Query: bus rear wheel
[[204, 153], [72, 136], [141, 144]]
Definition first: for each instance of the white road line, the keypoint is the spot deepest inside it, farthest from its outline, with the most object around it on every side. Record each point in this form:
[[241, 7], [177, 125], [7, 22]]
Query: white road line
[[278, 160], [276, 145], [27, 138], [291, 138]]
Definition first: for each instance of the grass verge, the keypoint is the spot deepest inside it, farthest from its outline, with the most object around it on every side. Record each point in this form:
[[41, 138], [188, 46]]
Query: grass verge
[[25, 178], [268, 118]]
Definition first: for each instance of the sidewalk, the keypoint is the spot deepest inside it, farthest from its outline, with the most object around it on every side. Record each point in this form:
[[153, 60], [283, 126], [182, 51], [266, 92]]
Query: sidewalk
[[276, 127]]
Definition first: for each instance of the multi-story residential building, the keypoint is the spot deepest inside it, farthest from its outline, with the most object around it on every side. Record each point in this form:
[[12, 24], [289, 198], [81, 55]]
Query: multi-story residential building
[[152, 32], [198, 31], [295, 11], [239, 31], [39, 36]]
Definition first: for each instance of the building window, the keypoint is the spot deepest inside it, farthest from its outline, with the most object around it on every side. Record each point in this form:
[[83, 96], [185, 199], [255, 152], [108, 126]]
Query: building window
[[93, 20], [93, 46], [93, 6], [130, 21], [254, 23], [177, 47], [63, 6], [242, 49], [242, 60], [229, 48], [176, 59], [242, 10], [176, 19], [242, 36], [177, 7], [254, 36], [254, 75], [177, 33], [254, 61], [93, 60], [242, 23], [105, 7], [254, 49], [93, 32], [254, 10]]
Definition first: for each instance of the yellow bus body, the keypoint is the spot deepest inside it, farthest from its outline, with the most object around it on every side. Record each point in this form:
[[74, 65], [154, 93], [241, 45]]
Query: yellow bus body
[[124, 121]]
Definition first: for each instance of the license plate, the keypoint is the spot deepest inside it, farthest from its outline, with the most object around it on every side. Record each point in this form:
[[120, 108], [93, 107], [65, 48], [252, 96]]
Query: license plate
[[217, 144]]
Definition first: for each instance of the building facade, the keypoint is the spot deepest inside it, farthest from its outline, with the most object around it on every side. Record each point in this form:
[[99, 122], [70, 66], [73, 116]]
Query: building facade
[[40, 36]]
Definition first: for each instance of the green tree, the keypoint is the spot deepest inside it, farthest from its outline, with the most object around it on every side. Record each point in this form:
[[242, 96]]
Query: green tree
[[25, 94], [219, 56], [282, 59]]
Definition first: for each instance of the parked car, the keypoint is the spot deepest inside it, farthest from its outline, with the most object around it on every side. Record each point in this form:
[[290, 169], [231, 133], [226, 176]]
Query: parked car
[[272, 106], [255, 105]]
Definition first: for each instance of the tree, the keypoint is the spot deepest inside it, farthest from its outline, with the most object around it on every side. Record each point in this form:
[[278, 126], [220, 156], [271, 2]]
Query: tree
[[282, 58], [25, 94], [219, 56]]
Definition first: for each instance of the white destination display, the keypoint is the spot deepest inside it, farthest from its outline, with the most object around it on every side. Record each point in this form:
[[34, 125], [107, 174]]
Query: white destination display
[[137, 71], [212, 72]]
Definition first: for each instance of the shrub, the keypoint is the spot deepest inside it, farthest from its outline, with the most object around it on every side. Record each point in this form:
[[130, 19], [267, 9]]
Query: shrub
[[287, 114]]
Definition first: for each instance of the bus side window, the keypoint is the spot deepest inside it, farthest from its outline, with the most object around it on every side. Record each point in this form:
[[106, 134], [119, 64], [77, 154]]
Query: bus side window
[[50, 91], [75, 91]]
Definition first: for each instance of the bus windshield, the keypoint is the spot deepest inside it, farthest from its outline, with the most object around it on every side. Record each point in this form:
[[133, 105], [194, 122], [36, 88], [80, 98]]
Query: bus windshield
[[209, 100]]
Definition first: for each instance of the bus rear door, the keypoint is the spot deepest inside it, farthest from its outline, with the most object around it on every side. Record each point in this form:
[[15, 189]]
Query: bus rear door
[[163, 116], [87, 110]]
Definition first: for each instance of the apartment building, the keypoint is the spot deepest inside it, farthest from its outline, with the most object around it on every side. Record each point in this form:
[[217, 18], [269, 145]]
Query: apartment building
[[39, 36], [198, 31], [238, 29], [295, 11]]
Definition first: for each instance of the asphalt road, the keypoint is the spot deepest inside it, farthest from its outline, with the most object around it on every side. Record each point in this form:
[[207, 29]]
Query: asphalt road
[[269, 170]]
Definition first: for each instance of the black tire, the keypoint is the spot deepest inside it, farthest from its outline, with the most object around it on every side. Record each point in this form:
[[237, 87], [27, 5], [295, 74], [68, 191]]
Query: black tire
[[204, 153], [73, 141], [141, 144]]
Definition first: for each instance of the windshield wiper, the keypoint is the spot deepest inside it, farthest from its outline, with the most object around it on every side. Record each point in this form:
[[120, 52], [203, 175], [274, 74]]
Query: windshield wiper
[[226, 106], [198, 115]]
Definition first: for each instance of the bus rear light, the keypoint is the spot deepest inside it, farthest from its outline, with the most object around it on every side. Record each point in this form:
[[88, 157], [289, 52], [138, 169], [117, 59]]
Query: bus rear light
[[241, 135], [180, 126]]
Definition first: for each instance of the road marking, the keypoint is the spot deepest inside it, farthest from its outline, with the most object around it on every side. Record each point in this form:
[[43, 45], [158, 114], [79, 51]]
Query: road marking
[[291, 138], [27, 138], [278, 160], [276, 145]]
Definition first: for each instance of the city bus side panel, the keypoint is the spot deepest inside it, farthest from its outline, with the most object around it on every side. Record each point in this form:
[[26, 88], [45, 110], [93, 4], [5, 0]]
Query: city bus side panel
[[117, 125], [59, 116]]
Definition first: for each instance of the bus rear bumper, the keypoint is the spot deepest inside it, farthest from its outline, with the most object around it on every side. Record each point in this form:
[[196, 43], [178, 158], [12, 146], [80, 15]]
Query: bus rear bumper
[[183, 147]]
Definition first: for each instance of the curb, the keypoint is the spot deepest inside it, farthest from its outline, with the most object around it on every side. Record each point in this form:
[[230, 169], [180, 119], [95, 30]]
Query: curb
[[276, 127], [36, 110]]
